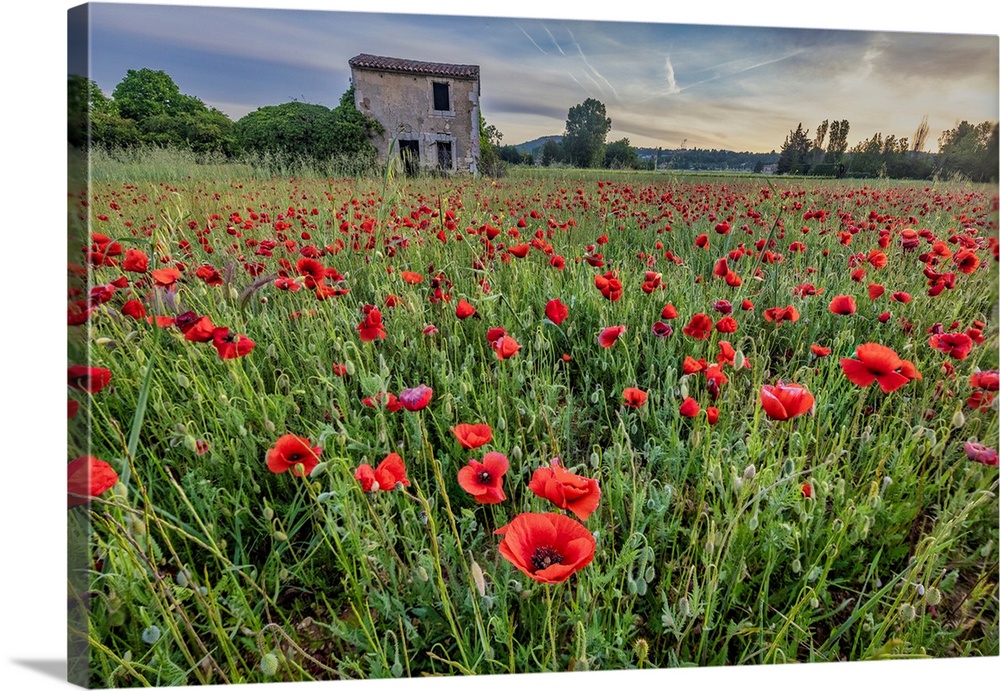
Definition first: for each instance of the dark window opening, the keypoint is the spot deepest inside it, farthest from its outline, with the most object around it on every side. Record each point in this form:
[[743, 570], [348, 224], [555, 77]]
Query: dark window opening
[[409, 152], [441, 97], [444, 155]]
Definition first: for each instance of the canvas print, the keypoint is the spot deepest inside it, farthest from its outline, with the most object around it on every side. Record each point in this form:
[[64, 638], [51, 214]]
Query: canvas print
[[409, 345]]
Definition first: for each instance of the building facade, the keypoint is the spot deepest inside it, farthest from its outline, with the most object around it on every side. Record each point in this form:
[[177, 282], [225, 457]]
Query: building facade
[[430, 110]]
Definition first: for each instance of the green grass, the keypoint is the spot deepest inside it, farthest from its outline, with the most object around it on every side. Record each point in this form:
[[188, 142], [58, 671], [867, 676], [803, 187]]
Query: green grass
[[211, 569]]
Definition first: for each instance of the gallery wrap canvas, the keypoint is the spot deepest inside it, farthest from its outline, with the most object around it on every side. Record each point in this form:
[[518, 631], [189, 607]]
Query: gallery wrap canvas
[[406, 345]]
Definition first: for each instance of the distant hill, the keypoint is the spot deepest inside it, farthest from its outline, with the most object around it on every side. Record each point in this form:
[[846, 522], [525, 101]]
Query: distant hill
[[535, 144]]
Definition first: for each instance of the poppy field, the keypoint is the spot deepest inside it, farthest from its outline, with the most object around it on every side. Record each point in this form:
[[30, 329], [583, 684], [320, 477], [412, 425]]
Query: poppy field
[[341, 429]]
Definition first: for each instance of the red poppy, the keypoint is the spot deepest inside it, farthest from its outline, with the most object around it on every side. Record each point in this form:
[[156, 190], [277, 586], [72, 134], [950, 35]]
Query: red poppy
[[134, 309], [371, 327], [72, 407], [416, 398], [610, 335], [520, 251], [966, 261], [88, 477], [392, 403], [463, 310], [981, 454], [875, 290], [989, 380], [662, 329], [807, 490], [726, 325], [389, 474], [875, 363], [472, 436], [411, 277], [785, 401], [700, 326], [484, 481], [547, 547], [291, 451], [78, 312], [780, 314], [633, 397], [230, 345], [820, 351], [89, 379], [669, 312], [312, 270], [556, 311], [609, 285], [166, 277], [900, 296], [712, 414], [956, 345], [340, 369], [135, 261], [565, 489], [843, 304], [505, 347], [690, 407], [196, 329]]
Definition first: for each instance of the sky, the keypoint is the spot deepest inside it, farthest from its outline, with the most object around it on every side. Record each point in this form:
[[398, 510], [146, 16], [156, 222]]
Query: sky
[[673, 85]]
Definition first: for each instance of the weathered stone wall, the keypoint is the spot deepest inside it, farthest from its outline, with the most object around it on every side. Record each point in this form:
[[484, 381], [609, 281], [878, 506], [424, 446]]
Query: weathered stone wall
[[404, 104]]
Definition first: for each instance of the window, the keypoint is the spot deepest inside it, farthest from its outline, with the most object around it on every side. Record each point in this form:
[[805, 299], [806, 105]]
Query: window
[[442, 101]]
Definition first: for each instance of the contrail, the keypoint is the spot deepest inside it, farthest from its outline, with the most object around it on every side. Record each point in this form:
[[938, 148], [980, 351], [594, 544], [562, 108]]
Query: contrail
[[591, 67], [741, 70], [554, 42], [531, 39]]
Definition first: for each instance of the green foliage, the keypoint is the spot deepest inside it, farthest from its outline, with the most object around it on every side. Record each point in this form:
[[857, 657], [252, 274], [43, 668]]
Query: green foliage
[[969, 151], [304, 132], [85, 101], [490, 162], [587, 126], [795, 152], [621, 155], [146, 93]]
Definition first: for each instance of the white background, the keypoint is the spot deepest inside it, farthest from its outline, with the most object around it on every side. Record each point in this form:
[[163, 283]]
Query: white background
[[32, 566]]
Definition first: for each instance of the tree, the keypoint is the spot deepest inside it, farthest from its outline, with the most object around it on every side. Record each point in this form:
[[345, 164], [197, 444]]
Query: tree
[[795, 152], [490, 163], [838, 141], [85, 100], [298, 132], [145, 93], [621, 154], [551, 152], [969, 150], [587, 126], [288, 131]]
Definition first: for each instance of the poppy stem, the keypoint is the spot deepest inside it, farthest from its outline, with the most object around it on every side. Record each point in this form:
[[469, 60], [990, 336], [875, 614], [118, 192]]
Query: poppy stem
[[552, 627], [517, 317]]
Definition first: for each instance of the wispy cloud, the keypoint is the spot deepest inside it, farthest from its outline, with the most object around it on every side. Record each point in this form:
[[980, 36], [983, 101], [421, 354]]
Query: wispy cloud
[[668, 68]]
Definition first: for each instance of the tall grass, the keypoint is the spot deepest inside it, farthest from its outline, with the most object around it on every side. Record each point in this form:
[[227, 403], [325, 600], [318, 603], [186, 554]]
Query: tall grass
[[211, 569]]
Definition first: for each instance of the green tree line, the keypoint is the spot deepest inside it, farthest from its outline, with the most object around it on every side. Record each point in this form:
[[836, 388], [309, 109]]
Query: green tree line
[[147, 108], [965, 151]]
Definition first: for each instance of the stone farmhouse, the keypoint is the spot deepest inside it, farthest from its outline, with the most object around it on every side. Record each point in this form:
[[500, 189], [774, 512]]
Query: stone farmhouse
[[430, 110]]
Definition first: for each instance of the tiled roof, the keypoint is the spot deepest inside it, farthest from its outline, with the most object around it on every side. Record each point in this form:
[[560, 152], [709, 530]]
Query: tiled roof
[[437, 69]]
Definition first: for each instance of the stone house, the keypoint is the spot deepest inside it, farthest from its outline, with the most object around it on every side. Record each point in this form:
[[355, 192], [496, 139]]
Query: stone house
[[430, 109]]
